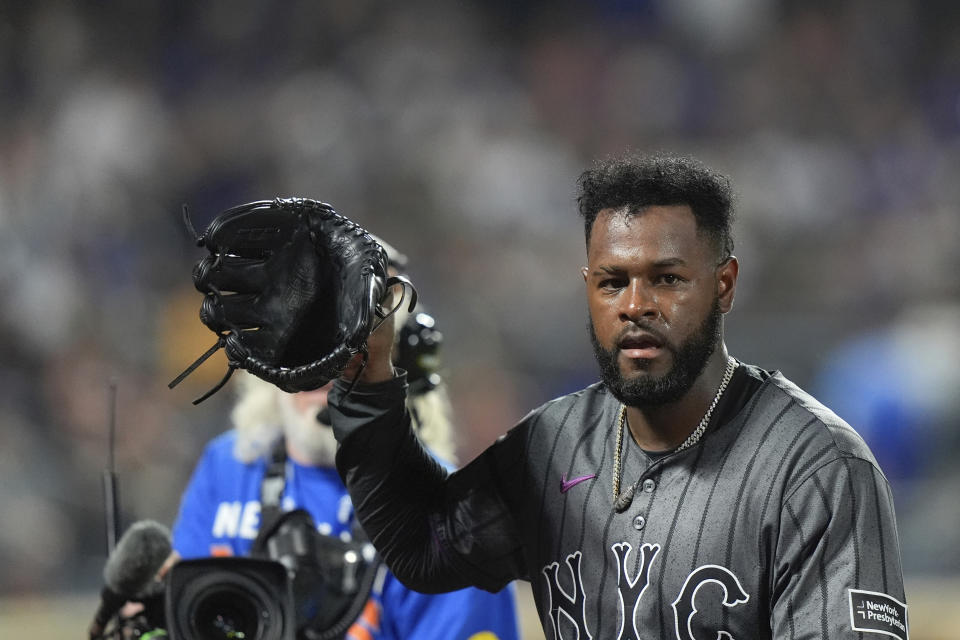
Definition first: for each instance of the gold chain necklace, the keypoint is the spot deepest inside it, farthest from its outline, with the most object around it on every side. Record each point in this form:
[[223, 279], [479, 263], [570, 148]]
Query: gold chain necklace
[[622, 501]]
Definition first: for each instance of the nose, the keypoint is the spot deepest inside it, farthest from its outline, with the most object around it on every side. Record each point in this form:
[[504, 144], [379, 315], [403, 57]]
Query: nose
[[638, 302]]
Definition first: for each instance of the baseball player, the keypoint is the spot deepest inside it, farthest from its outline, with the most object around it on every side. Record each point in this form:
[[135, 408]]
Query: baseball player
[[686, 495]]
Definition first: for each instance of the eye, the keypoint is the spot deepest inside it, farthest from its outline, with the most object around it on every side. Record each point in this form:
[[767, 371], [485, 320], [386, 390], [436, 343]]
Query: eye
[[669, 279], [612, 283]]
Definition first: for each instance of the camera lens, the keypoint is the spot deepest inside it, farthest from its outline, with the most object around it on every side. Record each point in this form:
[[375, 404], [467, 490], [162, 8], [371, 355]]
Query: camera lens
[[227, 614], [243, 599]]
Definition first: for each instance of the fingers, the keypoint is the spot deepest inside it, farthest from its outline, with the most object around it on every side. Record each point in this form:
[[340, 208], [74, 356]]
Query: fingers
[[402, 283], [164, 569], [230, 273], [231, 312], [379, 366], [380, 348]]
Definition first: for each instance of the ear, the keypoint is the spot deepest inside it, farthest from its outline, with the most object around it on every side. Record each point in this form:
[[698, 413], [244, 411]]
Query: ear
[[727, 282], [584, 272]]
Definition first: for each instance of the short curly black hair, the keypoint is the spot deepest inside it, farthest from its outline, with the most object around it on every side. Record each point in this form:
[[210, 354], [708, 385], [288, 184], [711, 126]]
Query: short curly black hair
[[636, 182]]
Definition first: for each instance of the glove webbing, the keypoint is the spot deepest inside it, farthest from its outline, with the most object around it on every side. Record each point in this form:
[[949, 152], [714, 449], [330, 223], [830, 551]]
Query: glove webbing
[[254, 364]]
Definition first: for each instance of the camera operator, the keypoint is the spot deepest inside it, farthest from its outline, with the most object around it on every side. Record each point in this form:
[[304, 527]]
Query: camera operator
[[287, 440]]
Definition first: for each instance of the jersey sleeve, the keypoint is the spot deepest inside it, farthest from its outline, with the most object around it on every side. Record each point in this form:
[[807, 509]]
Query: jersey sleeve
[[458, 615], [837, 568], [437, 532], [191, 531]]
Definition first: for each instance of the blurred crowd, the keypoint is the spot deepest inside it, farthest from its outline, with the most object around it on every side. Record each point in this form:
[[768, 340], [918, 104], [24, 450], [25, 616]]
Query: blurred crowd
[[456, 130]]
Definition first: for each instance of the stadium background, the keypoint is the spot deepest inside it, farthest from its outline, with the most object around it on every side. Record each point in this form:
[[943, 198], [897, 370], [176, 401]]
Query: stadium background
[[456, 130]]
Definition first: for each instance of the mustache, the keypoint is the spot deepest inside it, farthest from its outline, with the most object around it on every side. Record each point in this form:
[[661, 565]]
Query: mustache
[[646, 327]]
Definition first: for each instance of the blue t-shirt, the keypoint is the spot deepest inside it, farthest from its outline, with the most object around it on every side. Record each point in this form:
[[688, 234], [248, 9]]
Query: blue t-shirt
[[220, 516]]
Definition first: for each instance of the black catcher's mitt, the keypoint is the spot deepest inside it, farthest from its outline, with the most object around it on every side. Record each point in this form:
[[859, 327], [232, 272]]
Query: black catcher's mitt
[[293, 290]]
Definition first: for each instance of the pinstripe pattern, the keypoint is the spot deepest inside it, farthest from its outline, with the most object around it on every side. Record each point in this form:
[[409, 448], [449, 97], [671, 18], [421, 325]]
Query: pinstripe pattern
[[854, 529], [595, 486], [822, 568], [571, 471], [880, 524], [793, 631], [557, 439], [731, 537], [799, 530], [705, 511], [670, 532], [771, 502], [766, 502], [600, 602]]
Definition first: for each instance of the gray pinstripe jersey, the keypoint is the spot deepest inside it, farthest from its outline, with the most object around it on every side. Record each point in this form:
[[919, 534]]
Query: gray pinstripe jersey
[[778, 524]]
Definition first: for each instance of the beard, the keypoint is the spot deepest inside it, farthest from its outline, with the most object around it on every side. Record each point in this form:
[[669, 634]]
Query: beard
[[309, 432], [689, 360]]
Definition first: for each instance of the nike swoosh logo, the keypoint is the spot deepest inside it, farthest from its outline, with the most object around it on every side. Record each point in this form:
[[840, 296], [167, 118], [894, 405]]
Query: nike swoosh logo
[[565, 486]]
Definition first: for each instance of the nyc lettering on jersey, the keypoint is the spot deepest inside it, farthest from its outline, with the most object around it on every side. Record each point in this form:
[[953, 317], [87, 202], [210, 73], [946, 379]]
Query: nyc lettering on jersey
[[630, 588], [869, 611]]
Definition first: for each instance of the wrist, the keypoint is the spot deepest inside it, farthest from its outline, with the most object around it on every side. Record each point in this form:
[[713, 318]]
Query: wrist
[[376, 372]]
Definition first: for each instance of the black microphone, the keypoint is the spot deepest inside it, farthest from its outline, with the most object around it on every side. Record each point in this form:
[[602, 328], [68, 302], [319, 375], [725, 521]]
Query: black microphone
[[130, 570]]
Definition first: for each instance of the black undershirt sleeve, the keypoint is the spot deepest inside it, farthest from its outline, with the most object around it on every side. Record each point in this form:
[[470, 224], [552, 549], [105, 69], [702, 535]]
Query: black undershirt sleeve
[[433, 529]]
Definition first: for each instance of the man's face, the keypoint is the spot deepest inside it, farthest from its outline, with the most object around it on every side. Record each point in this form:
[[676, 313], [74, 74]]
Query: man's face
[[656, 296]]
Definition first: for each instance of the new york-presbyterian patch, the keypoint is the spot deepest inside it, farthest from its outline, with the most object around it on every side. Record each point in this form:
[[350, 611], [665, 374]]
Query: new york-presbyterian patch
[[873, 612]]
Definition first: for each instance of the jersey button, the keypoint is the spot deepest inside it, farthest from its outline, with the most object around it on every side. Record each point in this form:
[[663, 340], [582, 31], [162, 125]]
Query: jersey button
[[649, 485], [639, 522]]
